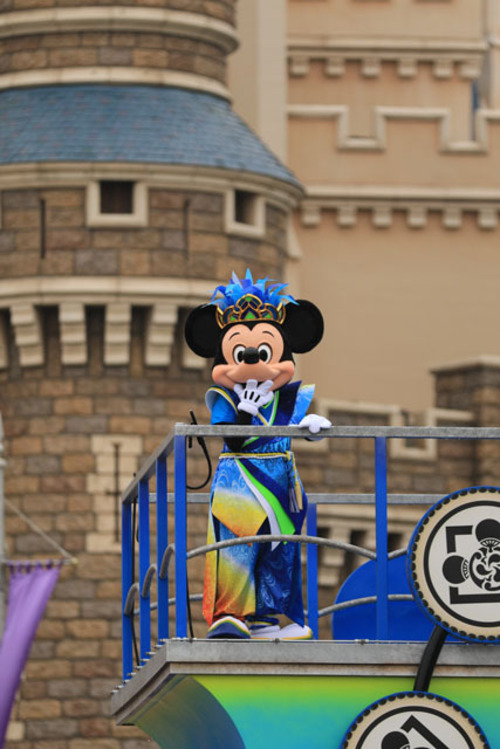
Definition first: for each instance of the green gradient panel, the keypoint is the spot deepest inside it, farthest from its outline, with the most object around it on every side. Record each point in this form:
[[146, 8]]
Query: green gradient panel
[[184, 715], [315, 711], [480, 697]]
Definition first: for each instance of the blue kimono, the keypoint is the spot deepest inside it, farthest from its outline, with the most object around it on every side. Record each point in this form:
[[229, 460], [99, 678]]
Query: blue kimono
[[256, 491]]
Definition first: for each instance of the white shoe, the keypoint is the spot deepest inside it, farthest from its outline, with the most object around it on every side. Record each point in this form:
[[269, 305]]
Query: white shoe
[[267, 628], [295, 632], [271, 632], [274, 632]]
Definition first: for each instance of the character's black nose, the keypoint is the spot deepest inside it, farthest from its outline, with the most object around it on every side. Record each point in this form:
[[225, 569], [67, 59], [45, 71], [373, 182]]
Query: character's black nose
[[251, 355]]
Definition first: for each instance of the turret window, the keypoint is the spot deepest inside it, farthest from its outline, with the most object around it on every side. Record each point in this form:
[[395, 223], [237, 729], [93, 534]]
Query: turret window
[[117, 203], [245, 213], [245, 204], [116, 197]]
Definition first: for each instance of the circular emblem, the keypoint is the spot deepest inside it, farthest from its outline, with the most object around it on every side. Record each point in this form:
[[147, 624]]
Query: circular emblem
[[454, 563], [414, 720]]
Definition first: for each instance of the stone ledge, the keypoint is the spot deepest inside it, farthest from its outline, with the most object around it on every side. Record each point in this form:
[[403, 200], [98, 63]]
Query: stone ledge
[[119, 18], [383, 202], [444, 56], [485, 361], [110, 74]]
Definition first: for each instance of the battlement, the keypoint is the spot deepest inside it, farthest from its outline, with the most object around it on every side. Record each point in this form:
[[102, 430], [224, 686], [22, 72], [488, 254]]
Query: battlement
[[24, 303]]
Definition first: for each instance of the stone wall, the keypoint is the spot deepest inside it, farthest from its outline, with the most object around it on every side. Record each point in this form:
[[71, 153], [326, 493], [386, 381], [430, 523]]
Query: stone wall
[[184, 235], [91, 49], [223, 10]]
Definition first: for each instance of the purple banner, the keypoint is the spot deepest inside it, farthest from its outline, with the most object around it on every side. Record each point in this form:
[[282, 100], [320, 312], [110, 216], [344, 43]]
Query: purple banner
[[30, 588]]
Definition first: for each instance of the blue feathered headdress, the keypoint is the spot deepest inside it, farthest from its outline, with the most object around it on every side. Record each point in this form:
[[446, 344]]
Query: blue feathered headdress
[[243, 300]]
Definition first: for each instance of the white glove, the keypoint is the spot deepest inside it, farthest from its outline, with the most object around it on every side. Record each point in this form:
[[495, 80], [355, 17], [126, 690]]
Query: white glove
[[315, 423], [252, 395]]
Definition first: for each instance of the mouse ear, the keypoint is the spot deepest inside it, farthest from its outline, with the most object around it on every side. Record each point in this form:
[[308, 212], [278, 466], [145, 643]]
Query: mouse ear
[[303, 326], [202, 331]]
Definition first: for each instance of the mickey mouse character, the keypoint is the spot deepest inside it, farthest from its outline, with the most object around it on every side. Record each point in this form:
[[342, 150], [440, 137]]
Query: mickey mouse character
[[252, 330]]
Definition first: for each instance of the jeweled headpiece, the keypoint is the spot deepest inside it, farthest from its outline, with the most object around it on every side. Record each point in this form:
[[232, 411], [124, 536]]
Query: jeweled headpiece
[[244, 300]]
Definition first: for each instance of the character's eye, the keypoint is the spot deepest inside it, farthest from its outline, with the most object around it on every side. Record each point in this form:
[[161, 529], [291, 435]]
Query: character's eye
[[238, 353], [265, 352]]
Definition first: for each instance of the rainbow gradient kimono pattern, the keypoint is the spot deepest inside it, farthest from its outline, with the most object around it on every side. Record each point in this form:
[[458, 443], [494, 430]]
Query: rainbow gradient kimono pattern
[[256, 491]]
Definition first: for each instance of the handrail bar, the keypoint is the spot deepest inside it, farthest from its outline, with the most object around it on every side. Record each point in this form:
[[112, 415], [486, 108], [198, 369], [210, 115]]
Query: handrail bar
[[340, 498], [398, 432], [358, 432]]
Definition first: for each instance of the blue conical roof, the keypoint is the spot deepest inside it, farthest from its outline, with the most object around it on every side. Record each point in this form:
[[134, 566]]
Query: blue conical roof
[[130, 124]]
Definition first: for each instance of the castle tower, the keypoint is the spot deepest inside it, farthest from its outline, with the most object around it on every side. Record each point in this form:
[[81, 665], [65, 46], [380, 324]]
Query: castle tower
[[129, 190]]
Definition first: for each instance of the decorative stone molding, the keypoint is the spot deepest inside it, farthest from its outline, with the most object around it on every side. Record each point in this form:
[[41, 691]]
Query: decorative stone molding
[[445, 57], [117, 294], [110, 74], [310, 214], [101, 290], [371, 66], [382, 216], [347, 215], [452, 217], [488, 217], [443, 67], [73, 333], [416, 203], [119, 18], [407, 67], [160, 335], [28, 335], [299, 65], [378, 141], [416, 217], [117, 333], [334, 66]]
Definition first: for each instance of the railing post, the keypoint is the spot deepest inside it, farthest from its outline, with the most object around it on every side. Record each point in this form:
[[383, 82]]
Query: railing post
[[381, 537], [127, 582], [161, 544], [180, 537], [312, 570], [144, 562]]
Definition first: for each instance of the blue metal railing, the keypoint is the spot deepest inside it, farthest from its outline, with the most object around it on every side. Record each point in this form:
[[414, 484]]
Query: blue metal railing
[[138, 498]]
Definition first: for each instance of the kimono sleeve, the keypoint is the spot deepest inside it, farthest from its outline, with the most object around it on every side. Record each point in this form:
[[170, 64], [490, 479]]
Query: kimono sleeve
[[304, 398], [221, 405]]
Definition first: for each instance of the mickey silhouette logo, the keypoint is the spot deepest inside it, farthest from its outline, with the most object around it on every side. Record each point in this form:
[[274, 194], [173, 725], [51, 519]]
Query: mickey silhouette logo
[[414, 720], [454, 563]]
